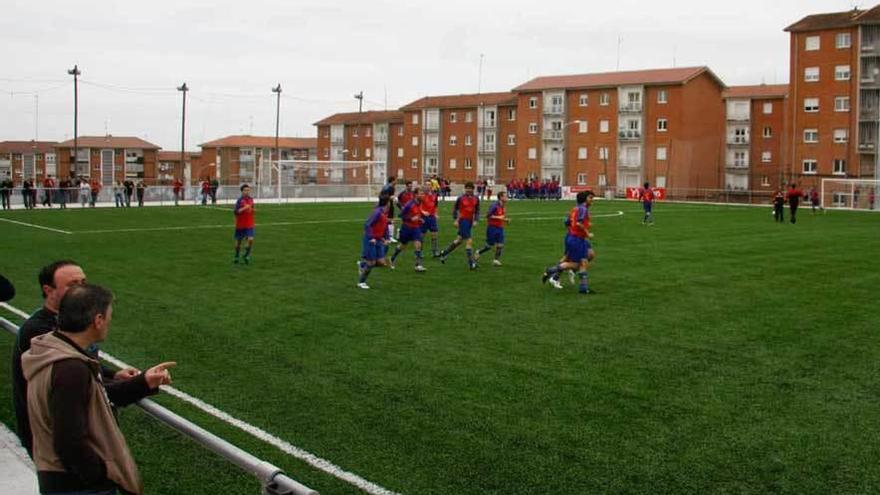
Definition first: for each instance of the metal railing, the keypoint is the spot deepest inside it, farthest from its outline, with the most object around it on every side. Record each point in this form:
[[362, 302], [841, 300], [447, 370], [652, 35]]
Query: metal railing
[[272, 478], [630, 135], [631, 107], [552, 135]]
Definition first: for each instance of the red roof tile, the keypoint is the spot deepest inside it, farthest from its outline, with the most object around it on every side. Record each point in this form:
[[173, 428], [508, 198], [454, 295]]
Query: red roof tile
[[261, 142], [116, 142], [761, 91], [833, 20], [612, 79], [461, 101], [370, 117], [27, 146]]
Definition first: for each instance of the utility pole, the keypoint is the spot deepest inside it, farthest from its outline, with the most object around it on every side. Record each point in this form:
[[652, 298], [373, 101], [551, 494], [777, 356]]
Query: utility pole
[[480, 76], [360, 98], [75, 73], [183, 89], [277, 91]]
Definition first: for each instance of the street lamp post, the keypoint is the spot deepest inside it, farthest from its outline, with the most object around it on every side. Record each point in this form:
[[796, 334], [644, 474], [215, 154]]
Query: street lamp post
[[75, 72], [277, 91], [183, 89]]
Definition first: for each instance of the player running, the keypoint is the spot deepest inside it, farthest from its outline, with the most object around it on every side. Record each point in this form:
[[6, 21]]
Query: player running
[[496, 219], [244, 223], [465, 213], [388, 190], [375, 238], [647, 196], [578, 249], [411, 229], [429, 215]]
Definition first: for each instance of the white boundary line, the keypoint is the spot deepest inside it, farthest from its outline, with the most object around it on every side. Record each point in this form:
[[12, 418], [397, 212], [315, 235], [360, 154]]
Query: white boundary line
[[560, 217], [282, 445], [35, 226]]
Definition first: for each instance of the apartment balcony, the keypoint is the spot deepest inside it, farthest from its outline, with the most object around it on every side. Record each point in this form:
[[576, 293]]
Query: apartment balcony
[[432, 149], [737, 166], [870, 48], [869, 81], [631, 107], [869, 114], [432, 129], [738, 118], [337, 141], [487, 148], [488, 124], [380, 138], [554, 110], [630, 135], [738, 140], [629, 163], [867, 147], [552, 135]]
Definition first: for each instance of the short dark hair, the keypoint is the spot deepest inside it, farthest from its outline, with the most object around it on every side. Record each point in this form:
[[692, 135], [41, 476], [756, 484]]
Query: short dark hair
[[80, 305], [47, 273], [501, 193], [243, 186], [582, 197], [647, 184], [468, 185], [392, 179]]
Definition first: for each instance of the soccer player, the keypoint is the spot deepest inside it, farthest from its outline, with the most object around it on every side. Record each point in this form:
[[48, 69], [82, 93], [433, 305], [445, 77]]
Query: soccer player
[[411, 229], [389, 190], [375, 233], [496, 219], [646, 196], [244, 223], [429, 215], [578, 249], [779, 206], [793, 196], [465, 213]]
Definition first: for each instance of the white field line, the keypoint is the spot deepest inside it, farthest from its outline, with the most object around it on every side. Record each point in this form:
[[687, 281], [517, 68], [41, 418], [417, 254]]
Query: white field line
[[562, 217], [33, 225], [282, 445], [213, 226]]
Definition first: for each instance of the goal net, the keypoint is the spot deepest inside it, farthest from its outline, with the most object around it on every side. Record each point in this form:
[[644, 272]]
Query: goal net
[[322, 179], [850, 194]]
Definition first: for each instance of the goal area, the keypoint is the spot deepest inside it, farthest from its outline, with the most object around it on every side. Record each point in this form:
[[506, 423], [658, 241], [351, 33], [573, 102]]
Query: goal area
[[850, 194], [328, 180]]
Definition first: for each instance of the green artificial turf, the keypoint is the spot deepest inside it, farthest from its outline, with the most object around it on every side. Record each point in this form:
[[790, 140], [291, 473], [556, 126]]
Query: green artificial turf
[[723, 353]]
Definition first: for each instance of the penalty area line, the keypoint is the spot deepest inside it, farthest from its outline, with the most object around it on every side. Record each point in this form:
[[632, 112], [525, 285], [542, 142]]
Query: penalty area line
[[35, 226]]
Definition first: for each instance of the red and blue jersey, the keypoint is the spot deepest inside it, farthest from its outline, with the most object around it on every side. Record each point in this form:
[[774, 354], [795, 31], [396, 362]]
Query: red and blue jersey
[[429, 204], [412, 214], [579, 221], [405, 197], [496, 211], [244, 219], [467, 207], [376, 226], [646, 195]]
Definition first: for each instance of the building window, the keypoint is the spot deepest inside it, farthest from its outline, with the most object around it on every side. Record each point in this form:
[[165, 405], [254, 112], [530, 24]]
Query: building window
[[453, 140], [843, 40], [811, 105], [414, 163], [511, 164], [533, 128], [841, 103], [765, 181], [811, 135], [661, 152], [662, 125], [582, 179], [582, 153], [326, 153], [812, 43], [368, 152], [603, 153], [739, 159], [468, 164], [604, 99], [662, 97], [511, 139], [415, 140], [583, 126], [839, 166], [768, 108], [841, 135], [809, 166], [811, 74], [533, 102], [453, 117], [399, 152], [533, 153], [400, 131], [841, 73], [768, 132], [660, 181], [452, 164], [468, 140], [584, 99], [368, 131], [354, 153], [603, 180], [766, 156], [511, 114], [603, 126], [354, 132]]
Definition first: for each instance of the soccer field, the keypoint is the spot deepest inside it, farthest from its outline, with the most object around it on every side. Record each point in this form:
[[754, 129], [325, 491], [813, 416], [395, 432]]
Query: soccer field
[[721, 353]]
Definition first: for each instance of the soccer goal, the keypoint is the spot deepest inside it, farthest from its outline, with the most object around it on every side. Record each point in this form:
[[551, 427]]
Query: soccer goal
[[330, 180], [850, 194]]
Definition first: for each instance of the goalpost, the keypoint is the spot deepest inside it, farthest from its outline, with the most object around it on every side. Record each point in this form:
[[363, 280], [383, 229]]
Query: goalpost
[[850, 194], [329, 179]]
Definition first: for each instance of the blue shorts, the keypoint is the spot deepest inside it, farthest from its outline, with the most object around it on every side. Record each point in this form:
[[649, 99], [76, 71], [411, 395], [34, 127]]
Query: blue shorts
[[494, 235], [430, 224], [576, 248], [244, 233], [464, 228], [372, 251], [647, 205], [409, 234]]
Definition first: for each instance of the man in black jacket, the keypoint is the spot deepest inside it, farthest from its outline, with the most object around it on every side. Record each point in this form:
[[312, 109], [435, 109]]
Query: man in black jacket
[[55, 279]]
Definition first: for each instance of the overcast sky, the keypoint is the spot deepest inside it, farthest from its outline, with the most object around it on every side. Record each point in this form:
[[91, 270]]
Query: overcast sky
[[231, 53]]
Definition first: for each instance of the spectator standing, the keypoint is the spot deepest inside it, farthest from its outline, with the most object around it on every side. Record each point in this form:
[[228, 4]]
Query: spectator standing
[[177, 186], [26, 189], [6, 192], [141, 188], [63, 193], [48, 188], [814, 199], [117, 194], [206, 190], [84, 192], [215, 184], [129, 190], [779, 206], [95, 190]]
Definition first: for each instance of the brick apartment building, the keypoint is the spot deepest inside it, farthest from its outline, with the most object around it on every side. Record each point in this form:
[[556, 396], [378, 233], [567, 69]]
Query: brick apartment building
[[619, 129], [757, 136], [359, 136], [109, 159], [22, 160], [170, 167], [835, 96], [460, 137], [235, 160]]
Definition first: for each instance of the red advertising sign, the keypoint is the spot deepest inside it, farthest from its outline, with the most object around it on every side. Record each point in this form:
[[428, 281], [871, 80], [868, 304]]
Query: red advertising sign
[[633, 192]]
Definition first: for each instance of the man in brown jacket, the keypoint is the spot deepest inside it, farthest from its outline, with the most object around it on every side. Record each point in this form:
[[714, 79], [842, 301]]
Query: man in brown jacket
[[77, 445]]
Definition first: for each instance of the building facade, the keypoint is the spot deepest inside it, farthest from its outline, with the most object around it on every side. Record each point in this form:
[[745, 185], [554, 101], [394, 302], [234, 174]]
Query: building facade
[[109, 159], [28, 160], [235, 160], [360, 136]]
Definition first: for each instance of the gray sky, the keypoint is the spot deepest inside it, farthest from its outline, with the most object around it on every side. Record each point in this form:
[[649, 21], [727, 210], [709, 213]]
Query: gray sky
[[231, 53]]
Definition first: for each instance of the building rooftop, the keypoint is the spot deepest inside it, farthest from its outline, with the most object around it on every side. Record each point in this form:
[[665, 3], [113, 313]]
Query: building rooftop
[[462, 101], [370, 117], [836, 20], [109, 141], [27, 146], [612, 79], [760, 91], [261, 142]]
